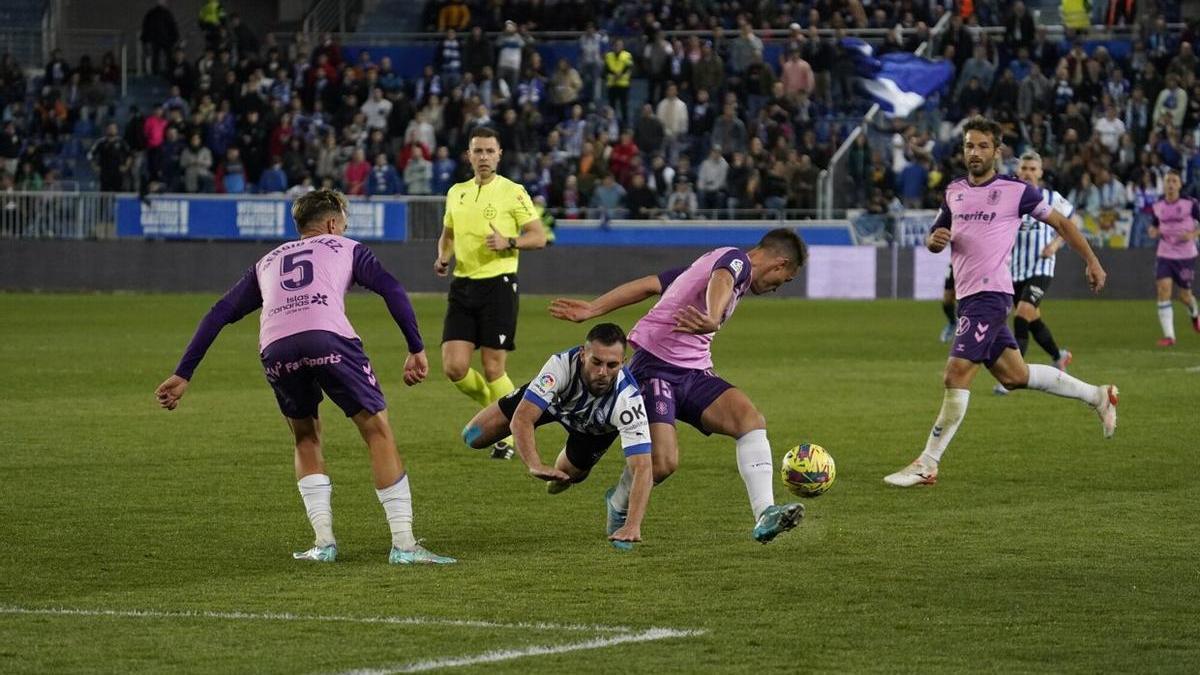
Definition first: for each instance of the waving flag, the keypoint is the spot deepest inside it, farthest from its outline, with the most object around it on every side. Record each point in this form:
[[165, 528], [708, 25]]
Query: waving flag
[[899, 82]]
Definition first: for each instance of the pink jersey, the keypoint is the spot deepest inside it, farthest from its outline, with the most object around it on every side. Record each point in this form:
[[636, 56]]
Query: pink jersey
[[1174, 221], [303, 285], [983, 221], [655, 332]]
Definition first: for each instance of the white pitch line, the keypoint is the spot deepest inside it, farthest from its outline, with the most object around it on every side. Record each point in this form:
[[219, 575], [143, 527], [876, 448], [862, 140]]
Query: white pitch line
[[536, 650], [287, 616]]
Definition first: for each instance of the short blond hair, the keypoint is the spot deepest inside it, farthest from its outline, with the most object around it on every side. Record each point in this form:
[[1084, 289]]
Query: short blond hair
[[312, 207]]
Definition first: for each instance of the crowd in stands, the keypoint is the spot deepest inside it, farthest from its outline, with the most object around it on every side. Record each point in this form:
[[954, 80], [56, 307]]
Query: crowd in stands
[[719, 127]]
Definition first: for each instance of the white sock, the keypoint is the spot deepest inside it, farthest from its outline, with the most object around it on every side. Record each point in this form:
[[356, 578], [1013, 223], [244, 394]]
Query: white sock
[[1166, 319], [954, 408], [316, 490], [397, 505], [1193, 310], [1054, 381], [620, 497], [754, 463]]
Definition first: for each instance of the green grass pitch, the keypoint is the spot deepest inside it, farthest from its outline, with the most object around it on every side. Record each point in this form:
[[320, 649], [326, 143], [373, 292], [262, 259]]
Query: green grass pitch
[[133, 539]]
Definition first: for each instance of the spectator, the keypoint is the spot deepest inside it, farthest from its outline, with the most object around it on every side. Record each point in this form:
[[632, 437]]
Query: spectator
[[804, 184], [592, 45], [418, 175], [608, 200], [354, 176], [10, 148], [453, 15], [444, 171], [1033, 94], [112, 158], [743, 49], [622, 158], [57, 71], [159, 34], [618, 68], [641, 200], [1112, 193], [796, 75], [1085, 196], [245, 41], [977, 67], [377, 110], [649, 133], [714, 173], [728, 131], [1137, 116], [232, 174], [709, 72], [1109, 129], [154, 131], [211, 18], [672, 112], [656, 57], [274, 179], [448, 59], [565, 86], [1172, 102], [681, 204], [196, 161], [383, 179], [1018, 27], [510, 47]]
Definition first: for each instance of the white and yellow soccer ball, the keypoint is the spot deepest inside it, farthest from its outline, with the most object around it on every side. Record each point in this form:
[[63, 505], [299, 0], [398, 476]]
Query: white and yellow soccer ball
[[807, 470]]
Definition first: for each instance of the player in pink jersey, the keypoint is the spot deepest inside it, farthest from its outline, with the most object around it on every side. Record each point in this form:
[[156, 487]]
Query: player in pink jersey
[[672, 363], [1175, 228], [979, 221], [308, 346]]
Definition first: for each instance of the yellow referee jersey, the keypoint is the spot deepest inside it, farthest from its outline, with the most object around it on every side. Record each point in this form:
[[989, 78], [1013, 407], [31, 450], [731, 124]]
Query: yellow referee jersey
[[471, 211]]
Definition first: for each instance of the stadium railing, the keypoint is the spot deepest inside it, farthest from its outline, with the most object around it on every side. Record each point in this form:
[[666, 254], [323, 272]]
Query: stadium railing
[[57, 215]]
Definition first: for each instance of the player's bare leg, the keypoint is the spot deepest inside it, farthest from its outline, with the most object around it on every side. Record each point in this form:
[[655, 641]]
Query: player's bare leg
[[1189, 301], [495, 363], [563, 463], [1166, 313], [392, 489], [486, 427], [957, 378], [733, 414], [1012, 372], [315, 489]]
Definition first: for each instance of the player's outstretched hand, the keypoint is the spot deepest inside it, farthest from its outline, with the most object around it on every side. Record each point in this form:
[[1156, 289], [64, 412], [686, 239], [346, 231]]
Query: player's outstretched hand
[[570, 309], [416, 368], [170, 391], [548, 473], [691, 320], [495, 240], [627, 532], [1096, 276]]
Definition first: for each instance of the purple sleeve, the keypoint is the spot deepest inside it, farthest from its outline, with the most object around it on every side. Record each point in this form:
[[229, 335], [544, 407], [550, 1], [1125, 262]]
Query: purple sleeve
[[238, 301], [1033, 204], [942, 220], [738, 265], [667, 277], [370, 274], [1195, 210]]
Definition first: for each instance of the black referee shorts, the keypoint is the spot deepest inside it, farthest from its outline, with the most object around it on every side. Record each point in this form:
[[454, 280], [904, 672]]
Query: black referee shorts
[[483, 312], [583, 450], [1032, 290]]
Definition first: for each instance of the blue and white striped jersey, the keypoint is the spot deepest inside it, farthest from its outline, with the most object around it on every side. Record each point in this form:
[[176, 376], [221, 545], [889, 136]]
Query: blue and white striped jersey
[[1032, 238], [559, 390]]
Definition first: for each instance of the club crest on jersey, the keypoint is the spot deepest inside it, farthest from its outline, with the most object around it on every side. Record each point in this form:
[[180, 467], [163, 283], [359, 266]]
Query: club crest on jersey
[[736, 266], [489, 212], [993, 198], [958, 197]]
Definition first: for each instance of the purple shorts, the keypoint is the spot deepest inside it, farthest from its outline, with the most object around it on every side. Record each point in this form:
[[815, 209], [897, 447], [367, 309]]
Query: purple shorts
[[672, 392], [1181, 271], [300, 366], [982, 334]]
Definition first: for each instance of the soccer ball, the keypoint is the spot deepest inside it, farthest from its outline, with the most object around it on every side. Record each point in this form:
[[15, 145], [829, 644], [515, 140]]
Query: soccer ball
[[807, 470]]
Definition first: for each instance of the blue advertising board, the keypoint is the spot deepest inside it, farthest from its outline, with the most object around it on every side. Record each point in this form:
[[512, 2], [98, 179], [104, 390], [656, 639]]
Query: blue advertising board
[[197, 217]]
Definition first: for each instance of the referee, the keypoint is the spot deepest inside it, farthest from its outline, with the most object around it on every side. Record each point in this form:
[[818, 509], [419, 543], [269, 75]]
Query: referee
[[489, 220]]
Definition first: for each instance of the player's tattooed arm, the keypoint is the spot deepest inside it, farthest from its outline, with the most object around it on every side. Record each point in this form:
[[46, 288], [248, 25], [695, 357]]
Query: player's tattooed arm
[[628, 293]]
